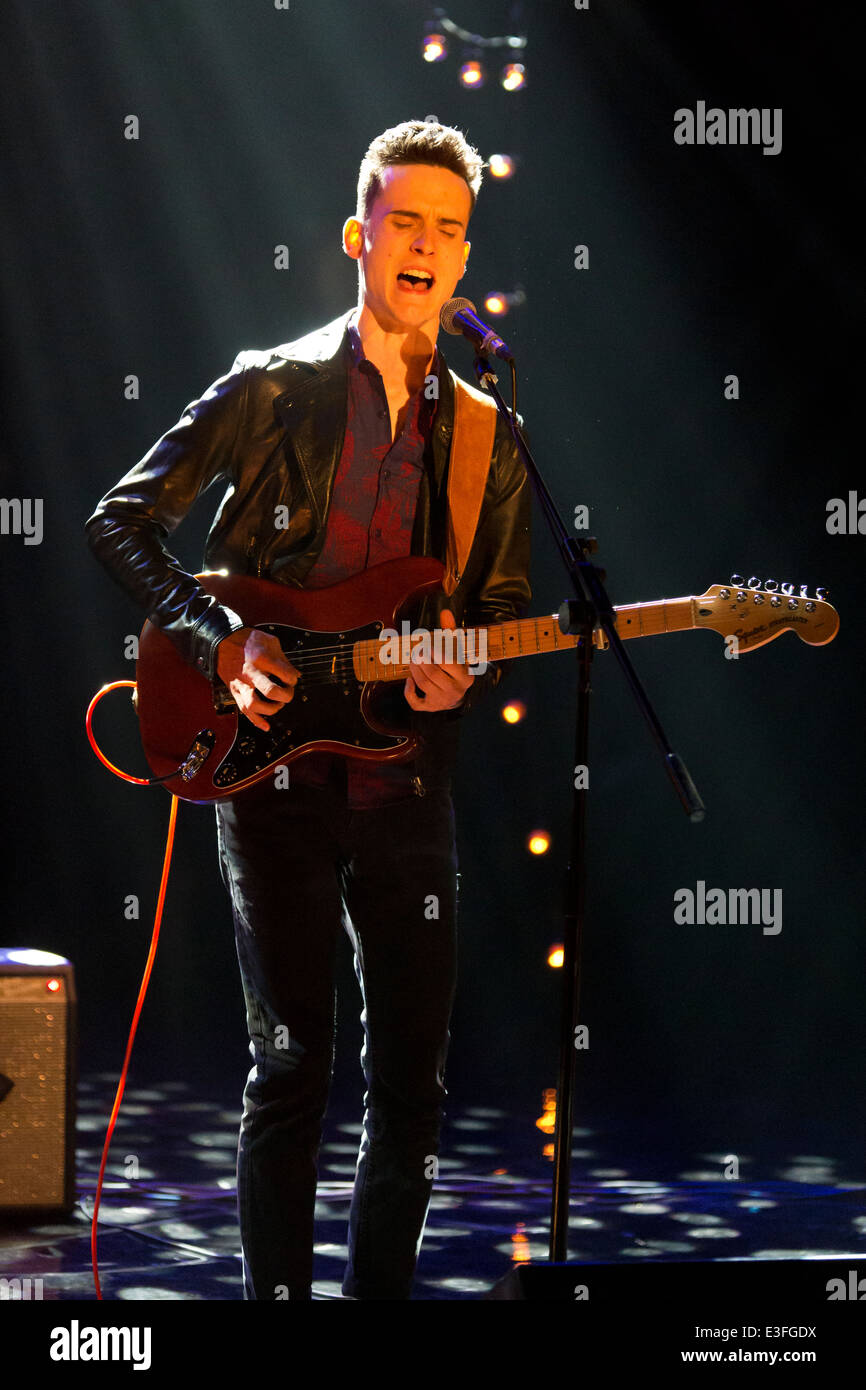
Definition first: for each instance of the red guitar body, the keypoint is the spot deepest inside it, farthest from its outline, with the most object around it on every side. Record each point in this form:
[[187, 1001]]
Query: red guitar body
[[187, 720]]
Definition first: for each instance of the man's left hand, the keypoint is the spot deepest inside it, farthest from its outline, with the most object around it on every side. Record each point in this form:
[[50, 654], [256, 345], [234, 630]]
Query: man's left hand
[[438, 685]]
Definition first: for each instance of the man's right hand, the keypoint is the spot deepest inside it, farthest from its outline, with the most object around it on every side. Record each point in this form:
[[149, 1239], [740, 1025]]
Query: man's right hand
[[246, 662]]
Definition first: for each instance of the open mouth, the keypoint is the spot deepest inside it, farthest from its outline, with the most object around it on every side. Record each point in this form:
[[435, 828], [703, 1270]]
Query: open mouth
[[415, 281]]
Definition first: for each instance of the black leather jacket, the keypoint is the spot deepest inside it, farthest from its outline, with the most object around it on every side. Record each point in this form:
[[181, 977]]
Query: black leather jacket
[[273, 430]]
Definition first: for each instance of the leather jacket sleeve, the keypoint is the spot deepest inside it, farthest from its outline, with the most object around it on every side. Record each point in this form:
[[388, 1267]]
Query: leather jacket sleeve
[[127, 530]]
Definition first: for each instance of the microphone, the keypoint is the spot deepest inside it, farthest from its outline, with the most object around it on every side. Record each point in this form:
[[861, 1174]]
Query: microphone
[[458, 316]]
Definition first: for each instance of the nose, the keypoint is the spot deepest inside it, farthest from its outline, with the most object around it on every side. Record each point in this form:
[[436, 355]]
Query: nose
[[423, 241]]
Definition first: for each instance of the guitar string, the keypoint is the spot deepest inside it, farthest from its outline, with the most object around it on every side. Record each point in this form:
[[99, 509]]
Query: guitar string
[[320, 672], [330, 656], [342, 655], [326, 655], [329, 678], [519, 625], [373, 641]]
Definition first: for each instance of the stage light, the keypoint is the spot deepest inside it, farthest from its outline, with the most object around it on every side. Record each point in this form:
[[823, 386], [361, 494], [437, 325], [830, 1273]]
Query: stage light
[[520, 1254], [513, 712], [435, 48], [513, 77], [32, 957], [501, 166], [472, 74], [440, 32], [547, 1121], [538, 842], [53, 985], [500, 301], [555, 957], [496, 303]]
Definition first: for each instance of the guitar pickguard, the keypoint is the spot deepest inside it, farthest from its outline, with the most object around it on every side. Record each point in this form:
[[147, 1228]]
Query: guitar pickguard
[[330, 709]]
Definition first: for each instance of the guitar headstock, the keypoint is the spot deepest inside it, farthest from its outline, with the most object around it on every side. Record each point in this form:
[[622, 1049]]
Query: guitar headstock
[[757, 613]]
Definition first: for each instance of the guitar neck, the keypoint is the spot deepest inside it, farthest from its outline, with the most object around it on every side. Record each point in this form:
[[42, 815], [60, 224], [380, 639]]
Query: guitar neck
[[518, 637]]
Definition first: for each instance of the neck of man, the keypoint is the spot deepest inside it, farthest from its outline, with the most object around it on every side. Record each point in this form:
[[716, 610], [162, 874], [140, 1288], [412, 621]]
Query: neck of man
[[404, 357]]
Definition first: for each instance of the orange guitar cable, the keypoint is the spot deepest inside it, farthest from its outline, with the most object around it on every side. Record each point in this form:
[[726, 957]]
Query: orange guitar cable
[[141, 782]]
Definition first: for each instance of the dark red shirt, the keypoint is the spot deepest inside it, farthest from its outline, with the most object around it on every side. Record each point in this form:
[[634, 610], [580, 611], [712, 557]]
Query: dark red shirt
[[370, 520]]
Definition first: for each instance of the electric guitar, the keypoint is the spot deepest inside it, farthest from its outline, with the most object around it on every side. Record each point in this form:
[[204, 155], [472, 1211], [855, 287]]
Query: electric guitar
[[345, 643]]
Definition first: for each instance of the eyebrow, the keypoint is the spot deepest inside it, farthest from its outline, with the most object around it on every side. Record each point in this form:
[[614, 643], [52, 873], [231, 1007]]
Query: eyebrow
[[407, 212]]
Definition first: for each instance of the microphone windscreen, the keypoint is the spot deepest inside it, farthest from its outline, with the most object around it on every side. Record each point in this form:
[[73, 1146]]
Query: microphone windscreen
[[448, 310]]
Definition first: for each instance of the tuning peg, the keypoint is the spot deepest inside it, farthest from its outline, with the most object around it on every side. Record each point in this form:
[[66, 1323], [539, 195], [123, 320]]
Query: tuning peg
[[737, 580], [771, 585], [821, 593], [787, 589], [804, 591], [754, 582]]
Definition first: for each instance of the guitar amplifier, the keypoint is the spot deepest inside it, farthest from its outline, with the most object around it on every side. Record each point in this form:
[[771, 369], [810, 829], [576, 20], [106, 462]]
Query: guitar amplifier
[[38, 1079]]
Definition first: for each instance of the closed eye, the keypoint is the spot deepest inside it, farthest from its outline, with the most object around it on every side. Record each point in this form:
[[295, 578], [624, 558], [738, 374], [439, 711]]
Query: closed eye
[[403, 225]]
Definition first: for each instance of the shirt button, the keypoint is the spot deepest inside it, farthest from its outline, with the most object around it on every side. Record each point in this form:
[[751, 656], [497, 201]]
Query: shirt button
[[387, 473]]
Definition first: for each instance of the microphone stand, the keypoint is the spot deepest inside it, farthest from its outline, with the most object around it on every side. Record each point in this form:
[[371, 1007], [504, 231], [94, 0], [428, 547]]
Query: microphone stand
[[581, 615]]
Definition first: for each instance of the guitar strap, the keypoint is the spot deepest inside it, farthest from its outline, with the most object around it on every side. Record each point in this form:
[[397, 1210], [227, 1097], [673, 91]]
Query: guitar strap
[[471, 453]]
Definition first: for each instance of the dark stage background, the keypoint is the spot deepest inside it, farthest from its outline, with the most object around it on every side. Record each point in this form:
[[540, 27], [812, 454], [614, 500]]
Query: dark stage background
[[154, 257]]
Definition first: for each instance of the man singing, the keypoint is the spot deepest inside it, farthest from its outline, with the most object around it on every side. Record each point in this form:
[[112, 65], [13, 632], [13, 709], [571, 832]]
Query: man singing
[[347, 433]]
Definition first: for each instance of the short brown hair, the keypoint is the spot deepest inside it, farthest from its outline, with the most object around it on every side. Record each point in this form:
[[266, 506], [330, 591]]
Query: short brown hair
[[418, 142]]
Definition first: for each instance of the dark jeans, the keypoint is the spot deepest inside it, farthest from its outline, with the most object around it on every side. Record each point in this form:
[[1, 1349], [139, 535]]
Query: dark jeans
[[298, 864]]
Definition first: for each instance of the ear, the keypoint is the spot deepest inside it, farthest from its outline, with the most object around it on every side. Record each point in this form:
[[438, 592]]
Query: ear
[[353, 238], [467, 247]]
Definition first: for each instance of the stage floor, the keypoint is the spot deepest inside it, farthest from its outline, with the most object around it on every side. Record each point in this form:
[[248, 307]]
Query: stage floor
[[169, 1230]]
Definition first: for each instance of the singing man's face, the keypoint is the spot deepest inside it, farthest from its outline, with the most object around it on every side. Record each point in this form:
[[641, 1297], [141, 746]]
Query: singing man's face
[[418, 221]]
